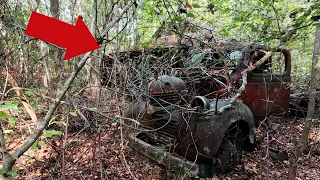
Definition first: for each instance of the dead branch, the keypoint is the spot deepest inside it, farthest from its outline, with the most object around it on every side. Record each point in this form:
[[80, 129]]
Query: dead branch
[[107, 29]]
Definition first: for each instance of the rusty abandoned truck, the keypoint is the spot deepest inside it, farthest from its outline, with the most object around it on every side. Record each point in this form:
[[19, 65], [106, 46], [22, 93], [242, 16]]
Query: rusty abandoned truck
[[182, 118]]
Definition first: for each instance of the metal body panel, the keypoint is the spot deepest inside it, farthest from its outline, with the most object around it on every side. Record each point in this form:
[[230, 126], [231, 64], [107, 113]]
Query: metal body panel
[[266, 98]]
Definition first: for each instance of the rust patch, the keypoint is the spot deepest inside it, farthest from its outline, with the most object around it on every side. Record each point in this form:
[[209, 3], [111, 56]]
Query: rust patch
[[263, 99]]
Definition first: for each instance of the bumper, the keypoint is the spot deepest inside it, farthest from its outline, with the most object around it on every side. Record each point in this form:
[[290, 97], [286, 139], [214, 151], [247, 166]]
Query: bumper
[[163, 157]]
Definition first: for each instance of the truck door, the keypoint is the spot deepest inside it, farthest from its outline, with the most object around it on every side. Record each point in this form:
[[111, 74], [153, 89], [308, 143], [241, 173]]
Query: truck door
[[267, 89]]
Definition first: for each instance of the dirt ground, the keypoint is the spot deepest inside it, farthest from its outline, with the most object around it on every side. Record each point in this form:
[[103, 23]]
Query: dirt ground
[[102, 156]]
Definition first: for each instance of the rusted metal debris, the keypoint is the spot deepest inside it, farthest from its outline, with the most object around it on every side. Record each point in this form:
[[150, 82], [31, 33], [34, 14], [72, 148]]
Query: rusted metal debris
[[278, 155]]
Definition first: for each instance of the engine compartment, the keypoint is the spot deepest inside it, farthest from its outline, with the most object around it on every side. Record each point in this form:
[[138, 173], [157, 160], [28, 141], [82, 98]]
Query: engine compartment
[[175, 123]]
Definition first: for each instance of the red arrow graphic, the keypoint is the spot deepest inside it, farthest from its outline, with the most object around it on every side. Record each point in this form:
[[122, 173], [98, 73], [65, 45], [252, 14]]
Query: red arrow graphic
[[76, 39]]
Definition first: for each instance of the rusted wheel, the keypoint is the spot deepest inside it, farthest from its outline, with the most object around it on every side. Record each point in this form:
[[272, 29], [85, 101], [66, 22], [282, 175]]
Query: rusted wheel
[[230, 151]]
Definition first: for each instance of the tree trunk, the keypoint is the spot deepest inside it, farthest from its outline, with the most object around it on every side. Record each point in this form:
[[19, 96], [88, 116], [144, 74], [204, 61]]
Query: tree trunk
[[55, 13], [311, 106], [93, 76], [46, 65], [7, 159]]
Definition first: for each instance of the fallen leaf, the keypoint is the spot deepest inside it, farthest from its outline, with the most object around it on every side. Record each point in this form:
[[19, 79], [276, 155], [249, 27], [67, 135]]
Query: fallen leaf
[[30, 111], [188, 6]]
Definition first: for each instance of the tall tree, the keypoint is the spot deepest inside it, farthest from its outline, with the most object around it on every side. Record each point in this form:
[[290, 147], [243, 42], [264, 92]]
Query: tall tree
[[311, 107], [55, 13]]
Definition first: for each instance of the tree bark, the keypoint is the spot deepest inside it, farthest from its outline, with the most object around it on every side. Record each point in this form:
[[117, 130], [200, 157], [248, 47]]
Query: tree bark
[[55, 13], [46, 65], [310, 113], [8, 161]]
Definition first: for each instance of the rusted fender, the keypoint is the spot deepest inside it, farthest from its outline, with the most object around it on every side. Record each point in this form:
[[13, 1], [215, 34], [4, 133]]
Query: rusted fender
[[206, 134]]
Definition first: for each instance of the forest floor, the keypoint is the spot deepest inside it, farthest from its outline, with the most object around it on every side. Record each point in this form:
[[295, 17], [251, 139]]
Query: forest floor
[[101, 155]]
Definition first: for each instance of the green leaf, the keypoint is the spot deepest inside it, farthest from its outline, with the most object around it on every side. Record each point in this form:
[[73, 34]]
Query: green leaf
[[60, 122], [191, 15], [52, 120], [51, 133], [34, 146], [146, 44], [29, 93], [41, 143], [2, 171], [93, 109], [6, 116], [9, 105], [12, 173], [3, 115], [73, 112], [196, 6], [160, 46], [225, 32]]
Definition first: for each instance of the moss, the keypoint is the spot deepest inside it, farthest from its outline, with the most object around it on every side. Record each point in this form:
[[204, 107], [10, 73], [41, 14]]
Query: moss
[[157, 153]]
